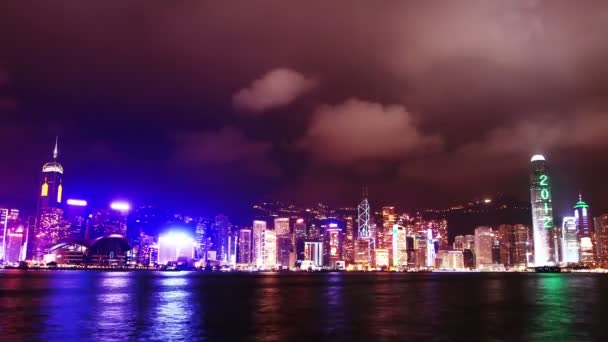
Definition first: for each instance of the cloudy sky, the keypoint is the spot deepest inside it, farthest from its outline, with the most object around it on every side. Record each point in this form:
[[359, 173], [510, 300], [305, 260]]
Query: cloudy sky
[[209, 105]]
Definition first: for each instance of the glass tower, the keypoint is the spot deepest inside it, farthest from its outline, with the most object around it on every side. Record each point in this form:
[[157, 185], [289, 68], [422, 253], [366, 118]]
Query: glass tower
[[542, 213]]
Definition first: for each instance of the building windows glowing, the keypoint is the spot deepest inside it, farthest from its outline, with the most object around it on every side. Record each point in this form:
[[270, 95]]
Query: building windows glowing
[[45, 190], [59, 193]]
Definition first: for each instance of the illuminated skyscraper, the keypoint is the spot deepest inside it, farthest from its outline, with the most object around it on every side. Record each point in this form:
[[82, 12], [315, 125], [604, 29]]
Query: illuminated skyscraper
[[300, 235], [381, 257], [332, 242], [521, 243], [585, 231], [76, 216], [365, 234], [506, 242], [313, 251], [269, 249], [399, 246], [281, 226], [223, 229], [259, 227], [245, 246], [570, 243], [542, 213], [484, 239], [348, 247], [430, 248], [48, 229], [601, 238], [285, 245], [385, 235]]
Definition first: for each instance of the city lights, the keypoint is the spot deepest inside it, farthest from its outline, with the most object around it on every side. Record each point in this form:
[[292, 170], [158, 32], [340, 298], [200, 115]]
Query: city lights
[[120, 206], [77, 202]]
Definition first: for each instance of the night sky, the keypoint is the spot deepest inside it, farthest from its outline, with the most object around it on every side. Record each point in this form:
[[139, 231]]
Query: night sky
[[208, 106]]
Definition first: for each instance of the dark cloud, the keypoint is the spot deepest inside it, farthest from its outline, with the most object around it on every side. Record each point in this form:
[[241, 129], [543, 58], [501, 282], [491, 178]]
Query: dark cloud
[[227, 147], [356, 131]]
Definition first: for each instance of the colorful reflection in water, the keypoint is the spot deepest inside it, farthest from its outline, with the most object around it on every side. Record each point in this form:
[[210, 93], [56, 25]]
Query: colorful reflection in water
[[156, 306]]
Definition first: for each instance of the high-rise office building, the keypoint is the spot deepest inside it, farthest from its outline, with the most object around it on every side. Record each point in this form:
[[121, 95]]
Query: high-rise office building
[[15, 239], [245, 240], [521, 243], [382, 257], [313, 251], [570, 243], [399, 246], [348, 246], [542, 213], [299, 229], [3, 232], [384, 239], [285, 250], [76, 217], [584, 226], [259, 227], [269, 249], [506, 242], [332, 242], [223, 228], [601, 239], [281, 226], [459, 243], [48, 228], [484, 239], [469, 242], [285, 242]]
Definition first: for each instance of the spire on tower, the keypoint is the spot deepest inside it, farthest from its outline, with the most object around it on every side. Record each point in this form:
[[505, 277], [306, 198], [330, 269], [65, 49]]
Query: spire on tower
[[56, 151]]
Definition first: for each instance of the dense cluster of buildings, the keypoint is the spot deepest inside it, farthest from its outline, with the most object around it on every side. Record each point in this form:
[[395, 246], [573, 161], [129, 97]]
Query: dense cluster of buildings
[[282, 236]]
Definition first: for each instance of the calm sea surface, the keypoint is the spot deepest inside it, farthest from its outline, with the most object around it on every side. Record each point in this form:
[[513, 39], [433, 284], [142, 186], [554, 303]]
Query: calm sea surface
[[175, 306]]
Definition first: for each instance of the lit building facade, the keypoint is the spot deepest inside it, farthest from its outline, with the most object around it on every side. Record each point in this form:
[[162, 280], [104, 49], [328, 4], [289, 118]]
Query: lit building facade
[[399, 246], [601, 239], [521, 244], [384, 239], [313, 251], [459, 243], [15, 246], [484, 239], [570, 243], [348, 246], [506, 244], [542, 213], [269, 249], [48, 229], [259, 227], [245, 240], [585, 231], [381, 256], [362, 250], [281, 226], [299, 229], [332, 242]]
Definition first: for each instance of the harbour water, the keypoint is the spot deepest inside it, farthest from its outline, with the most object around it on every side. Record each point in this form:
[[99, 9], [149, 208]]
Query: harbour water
[[191, 306]]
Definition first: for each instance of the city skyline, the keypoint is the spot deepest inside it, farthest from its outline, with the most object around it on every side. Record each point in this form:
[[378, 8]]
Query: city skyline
[[284, 235]]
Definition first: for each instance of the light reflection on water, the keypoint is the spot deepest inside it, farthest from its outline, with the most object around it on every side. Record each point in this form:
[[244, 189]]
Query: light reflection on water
[[144, 306]]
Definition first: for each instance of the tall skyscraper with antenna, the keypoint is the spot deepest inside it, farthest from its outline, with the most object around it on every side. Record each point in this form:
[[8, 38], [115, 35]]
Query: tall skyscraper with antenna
[[365, 238], [48, 229], [542, 213]]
